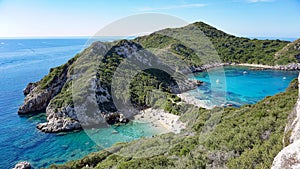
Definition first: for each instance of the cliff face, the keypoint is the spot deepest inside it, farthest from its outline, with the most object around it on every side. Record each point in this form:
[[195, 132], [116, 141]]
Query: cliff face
[[53, 93], [38, 97], [289, 156]]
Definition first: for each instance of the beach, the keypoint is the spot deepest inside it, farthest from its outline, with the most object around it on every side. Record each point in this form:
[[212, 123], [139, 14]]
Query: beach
[[190, 99], [165, 122], [256, 65]]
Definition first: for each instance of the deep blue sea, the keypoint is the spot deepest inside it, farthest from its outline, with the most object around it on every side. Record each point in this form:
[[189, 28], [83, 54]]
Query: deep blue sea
[[28, 60]]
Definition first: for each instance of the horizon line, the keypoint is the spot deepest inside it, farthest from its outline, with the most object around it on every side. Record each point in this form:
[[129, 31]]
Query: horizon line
[[90, 37]]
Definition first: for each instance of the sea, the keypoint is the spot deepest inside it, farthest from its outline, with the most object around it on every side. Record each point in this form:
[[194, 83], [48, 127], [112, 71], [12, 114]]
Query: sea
[[28, 60]]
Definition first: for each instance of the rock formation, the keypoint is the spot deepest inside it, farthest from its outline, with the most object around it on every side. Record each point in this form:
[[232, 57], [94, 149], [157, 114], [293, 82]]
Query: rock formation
[[289, 157], [23, 165]]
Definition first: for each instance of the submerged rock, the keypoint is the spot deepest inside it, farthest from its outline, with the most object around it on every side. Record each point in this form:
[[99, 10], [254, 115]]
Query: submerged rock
[[23, 165]]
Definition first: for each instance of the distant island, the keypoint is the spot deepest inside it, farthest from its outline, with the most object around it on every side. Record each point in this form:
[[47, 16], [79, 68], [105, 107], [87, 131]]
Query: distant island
[[250, 136]]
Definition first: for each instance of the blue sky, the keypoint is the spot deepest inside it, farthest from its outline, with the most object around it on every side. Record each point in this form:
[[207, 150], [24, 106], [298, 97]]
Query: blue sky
[[251, 18]]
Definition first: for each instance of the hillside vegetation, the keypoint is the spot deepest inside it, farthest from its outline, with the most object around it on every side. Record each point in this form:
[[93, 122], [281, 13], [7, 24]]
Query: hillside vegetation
[[246, 137], [230, 48]]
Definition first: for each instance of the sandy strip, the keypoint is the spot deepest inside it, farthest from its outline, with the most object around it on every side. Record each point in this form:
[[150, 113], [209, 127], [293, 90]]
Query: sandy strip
[[160, 119], [255, 65], [188, 98]]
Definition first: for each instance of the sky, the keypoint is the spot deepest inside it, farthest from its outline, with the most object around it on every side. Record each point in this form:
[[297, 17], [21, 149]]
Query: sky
[[53, 18]]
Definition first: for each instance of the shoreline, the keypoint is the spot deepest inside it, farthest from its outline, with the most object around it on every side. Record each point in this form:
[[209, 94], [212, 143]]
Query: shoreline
[[189, 99], [255, 65], [288, 67], [164, 122]]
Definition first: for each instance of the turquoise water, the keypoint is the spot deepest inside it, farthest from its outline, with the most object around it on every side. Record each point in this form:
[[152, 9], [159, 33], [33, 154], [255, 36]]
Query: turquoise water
[[241, 85], [28, 60]]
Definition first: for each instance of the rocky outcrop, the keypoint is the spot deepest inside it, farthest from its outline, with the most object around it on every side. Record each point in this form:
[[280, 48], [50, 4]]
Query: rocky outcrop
[[58, 121], [37, 98], [29, 88], [115, 118], [23, 165], [289, 157], [290, 66]]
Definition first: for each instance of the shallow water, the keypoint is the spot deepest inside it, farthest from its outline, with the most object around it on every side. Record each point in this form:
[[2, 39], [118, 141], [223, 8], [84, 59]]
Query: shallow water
[[28, 60], [24, 61], [240, 85]]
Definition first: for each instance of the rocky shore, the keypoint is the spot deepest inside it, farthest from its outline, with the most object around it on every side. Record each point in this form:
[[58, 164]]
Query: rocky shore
[[46, 95], [288, 67], [23, 165]]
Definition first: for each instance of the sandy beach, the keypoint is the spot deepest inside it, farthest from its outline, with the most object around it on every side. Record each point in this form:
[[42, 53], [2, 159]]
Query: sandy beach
[[165, 122], [188, 98], [256, 65]]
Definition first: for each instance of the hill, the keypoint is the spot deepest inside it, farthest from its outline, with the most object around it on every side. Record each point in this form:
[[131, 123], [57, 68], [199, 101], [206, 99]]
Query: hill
[[246, 137], [183, 50], [260, 127]]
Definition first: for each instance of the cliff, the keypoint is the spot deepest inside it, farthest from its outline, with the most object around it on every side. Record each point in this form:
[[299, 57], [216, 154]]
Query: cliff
[[289, 156], [246, 137], [54, 94]]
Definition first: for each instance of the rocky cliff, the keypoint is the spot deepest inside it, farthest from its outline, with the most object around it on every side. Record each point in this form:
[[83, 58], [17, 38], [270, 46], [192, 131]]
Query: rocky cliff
[[54, 94], [289, 156]]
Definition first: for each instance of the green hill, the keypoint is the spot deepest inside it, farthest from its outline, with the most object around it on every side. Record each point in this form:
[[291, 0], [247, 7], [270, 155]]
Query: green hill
[[246, 137], [230, 48]]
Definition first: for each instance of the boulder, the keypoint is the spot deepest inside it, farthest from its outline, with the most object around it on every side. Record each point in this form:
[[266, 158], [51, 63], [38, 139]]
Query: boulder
[[22, 165], [289, 157]]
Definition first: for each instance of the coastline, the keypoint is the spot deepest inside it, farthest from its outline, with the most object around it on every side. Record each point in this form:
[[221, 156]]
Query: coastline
[[255, 65], [189, 99], [288, 67], [164, 122]]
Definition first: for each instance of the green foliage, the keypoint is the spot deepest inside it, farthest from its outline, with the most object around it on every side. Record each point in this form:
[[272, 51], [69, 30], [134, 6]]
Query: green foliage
[[246, 137], [243, 50], [290, 53], [64, 97], [147, 163], [56, 73]]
